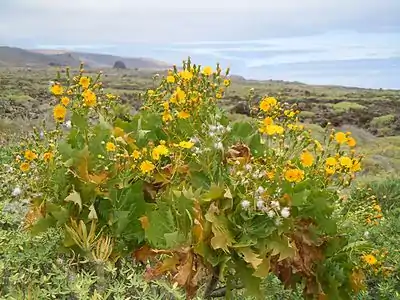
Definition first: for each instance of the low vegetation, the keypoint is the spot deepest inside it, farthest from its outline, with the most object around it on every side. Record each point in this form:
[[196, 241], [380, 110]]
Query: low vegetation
[[180, 199]]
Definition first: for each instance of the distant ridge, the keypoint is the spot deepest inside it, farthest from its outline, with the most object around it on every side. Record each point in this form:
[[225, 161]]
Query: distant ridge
[[18, 57]]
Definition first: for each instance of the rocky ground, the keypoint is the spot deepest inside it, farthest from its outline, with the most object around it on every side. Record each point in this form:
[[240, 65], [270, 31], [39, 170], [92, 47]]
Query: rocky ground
[[24, 98]]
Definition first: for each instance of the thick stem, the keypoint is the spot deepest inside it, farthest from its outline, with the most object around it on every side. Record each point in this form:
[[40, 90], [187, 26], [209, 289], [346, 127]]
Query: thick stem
[[221, 292], [212, 284]]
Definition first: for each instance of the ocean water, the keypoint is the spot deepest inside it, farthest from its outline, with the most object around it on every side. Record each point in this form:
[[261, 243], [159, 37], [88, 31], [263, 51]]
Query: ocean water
[[369, 60]]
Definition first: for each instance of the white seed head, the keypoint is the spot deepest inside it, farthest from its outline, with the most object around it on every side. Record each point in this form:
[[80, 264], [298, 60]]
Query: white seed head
[[16, 192], [260, 204], [260, 190], [219, 145], [248, 167], [285, 212], [245, 204], [275, 204], [270, 213]]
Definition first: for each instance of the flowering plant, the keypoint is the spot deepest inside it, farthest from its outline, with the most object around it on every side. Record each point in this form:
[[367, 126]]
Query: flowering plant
[[198, 195]]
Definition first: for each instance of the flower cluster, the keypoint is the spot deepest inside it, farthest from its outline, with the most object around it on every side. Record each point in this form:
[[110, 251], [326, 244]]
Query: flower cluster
[[181, 179]]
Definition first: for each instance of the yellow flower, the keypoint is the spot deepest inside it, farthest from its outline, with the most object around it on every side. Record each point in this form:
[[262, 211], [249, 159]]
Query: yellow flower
[[351, 142], [346, 162], [65, 101], [377, 207], [186, 145], [118, 131], [180, 95], [84, 82], [268, 103], [170, 79], [30, 155], [57, 89], [166, 116], [272, 129], [330, 170], [356, 166], [227, 82], [207, 71], [218, 95], [24, 167], [294, 175], [268, 121], [318, 145], [183, 115], [47, 156], [146, 167], [59, 113], [136, 154], [331, 161], [370, 259], [271, 175], [340, 138], [155, 155], [166, 105], [110, 147], [110, 96], [186, 75], [160, 150], [289, 113], [307, 159], [89, 98]]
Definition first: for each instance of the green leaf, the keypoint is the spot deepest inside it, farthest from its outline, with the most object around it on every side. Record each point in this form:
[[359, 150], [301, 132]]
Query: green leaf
[[254, 142], [161, 222], [300, 198], [242, 130], [42, 225], [250, 257], [59, 213], [281, 246], [75, 198], [257, 227], [222, 238], [103, 123], [263, 269], [199, 179], [79, 121], [65, 150], [252, 284], [122, 221], [214, 193], [182, 208], [174, 239]]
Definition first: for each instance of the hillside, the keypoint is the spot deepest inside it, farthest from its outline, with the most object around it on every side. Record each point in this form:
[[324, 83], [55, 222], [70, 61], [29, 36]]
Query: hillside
[[17, 57]]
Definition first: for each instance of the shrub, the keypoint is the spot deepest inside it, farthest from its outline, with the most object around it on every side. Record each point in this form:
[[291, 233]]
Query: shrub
[[383, 125], [195, 195], [306, 114], [119, 65], [346, 106], [382, 121]]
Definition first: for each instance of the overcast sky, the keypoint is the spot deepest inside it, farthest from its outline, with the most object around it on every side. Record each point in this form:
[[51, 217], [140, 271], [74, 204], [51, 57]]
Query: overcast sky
[[247, 34]]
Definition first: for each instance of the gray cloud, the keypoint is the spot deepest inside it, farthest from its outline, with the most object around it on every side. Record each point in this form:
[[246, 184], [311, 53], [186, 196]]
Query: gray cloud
[[160, 21]]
